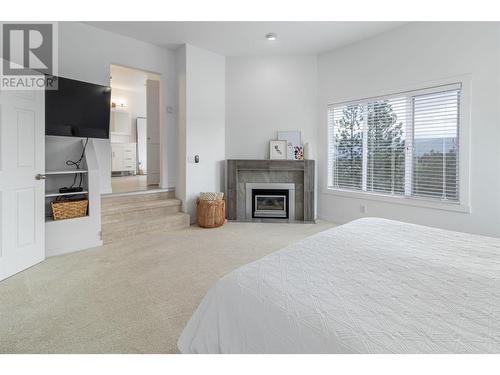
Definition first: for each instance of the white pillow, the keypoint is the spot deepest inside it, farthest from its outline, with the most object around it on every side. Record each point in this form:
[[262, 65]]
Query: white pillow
[[211, 196]]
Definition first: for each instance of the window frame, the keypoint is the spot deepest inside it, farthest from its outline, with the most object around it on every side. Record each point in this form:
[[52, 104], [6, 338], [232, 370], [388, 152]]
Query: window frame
[[463, 204]]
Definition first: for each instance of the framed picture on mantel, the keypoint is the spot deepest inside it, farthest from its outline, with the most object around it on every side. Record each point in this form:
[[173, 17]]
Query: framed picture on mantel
[[277, 150]]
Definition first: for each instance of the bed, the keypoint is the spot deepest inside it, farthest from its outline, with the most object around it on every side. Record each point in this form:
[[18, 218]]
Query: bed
[[369, 286]]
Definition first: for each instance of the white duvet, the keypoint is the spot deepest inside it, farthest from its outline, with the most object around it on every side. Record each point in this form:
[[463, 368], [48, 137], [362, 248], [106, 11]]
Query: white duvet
[[370, 286]]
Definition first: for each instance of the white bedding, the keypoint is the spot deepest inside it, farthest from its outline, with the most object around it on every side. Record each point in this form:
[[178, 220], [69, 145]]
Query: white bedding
[[370, 286]]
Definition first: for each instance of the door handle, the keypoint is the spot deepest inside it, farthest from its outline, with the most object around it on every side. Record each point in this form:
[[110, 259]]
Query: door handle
[[40, 176]]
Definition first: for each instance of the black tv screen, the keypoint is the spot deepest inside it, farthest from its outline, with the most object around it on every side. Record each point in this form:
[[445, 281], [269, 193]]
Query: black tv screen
[[77, 109]]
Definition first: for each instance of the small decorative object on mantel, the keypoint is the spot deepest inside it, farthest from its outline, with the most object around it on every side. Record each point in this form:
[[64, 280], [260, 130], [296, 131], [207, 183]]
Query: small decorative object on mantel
[[277, 150], [211, 210], [308, 153], [298, 152], [293, 140]]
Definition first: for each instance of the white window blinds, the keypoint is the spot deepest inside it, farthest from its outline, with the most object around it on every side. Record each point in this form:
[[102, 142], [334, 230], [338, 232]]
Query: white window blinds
[[386, 147], [346, 125], [401, 145], [435, 145]]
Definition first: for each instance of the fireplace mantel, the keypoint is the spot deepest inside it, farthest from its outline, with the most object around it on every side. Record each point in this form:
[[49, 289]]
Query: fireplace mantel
[[234, 168]]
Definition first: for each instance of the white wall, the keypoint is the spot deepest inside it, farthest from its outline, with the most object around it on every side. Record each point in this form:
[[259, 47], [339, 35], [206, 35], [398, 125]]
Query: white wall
[[86, 53], [411, 55], [201, 79], [180, 66], [267, 94]]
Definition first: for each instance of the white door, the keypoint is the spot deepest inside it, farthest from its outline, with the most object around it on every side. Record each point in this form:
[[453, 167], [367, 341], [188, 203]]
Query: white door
[[22, 158], [153, 143]]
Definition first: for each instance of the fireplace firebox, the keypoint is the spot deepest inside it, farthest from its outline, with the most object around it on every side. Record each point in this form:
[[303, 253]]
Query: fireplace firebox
[[269, 200], [270, 203]]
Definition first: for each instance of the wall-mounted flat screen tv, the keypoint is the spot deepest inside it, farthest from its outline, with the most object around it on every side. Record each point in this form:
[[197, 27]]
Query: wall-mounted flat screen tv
[[77, 109]]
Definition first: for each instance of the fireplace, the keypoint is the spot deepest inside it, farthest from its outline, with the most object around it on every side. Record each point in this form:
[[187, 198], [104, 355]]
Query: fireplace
[[297, 176], [270, 203], [270, 200]]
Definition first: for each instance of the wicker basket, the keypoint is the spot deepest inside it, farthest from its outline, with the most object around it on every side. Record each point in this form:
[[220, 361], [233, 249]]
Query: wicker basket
[[69, 209], [211, 214]]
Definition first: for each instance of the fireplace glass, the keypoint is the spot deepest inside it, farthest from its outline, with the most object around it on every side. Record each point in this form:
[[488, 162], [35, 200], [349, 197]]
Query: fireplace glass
[[270, 203]]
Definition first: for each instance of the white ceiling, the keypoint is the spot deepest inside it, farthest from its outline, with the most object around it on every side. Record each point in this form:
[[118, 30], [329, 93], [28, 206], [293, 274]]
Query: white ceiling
[[248, 38]]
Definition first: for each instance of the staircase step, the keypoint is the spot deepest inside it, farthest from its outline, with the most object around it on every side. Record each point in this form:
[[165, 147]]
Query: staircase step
[[157, 212], [120, 209], [128, 215], [118, 200], [116, 231]]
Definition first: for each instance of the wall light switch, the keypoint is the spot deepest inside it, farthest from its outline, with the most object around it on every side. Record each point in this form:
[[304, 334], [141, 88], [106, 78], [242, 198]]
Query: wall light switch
[[195, 159]]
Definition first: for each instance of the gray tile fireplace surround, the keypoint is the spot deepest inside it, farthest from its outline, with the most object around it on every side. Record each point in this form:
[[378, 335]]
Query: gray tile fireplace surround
[[241, 172]]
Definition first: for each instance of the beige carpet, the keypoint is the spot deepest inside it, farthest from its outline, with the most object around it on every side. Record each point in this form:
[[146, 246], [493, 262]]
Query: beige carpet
[[133, 297], [125, 184]]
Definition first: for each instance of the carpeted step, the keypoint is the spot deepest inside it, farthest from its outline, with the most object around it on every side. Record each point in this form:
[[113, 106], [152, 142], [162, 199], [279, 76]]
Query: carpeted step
[[118, 231], [137, 210], [126, 198]]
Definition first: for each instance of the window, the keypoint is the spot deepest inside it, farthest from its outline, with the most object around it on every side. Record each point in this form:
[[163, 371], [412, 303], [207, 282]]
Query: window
[[402, 145]]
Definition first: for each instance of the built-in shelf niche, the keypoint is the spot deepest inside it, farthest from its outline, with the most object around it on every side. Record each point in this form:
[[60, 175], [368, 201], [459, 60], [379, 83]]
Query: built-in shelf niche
[[55, 179], [63, 236]]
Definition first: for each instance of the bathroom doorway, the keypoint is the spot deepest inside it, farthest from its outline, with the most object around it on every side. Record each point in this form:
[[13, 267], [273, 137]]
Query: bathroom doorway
[[134, 129]]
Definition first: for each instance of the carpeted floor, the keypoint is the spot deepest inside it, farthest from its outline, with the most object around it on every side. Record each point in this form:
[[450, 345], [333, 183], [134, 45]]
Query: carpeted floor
[[132, 297]]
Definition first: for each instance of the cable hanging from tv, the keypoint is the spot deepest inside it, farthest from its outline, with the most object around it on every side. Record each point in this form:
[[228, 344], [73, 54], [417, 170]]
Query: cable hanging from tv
[[76, 164]]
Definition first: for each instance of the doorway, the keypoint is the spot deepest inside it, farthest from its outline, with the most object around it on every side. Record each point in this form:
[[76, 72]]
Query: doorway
[[134, 129]]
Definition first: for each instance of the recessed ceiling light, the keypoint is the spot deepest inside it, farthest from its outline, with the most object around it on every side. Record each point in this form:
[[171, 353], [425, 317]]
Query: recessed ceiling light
[[271, 36]]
